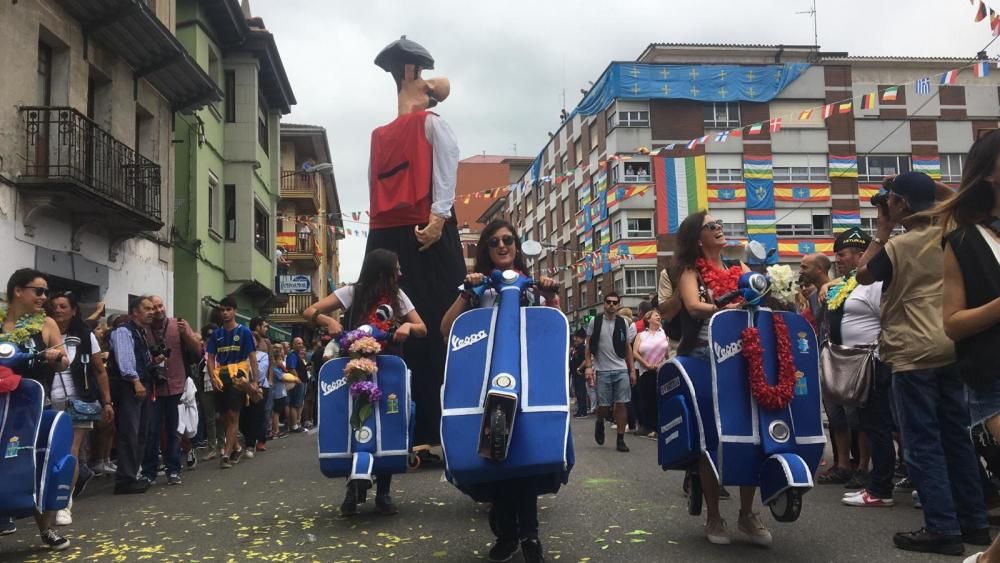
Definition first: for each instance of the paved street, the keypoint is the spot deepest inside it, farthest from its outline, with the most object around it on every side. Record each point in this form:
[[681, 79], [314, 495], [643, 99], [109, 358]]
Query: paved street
[[278, 507]]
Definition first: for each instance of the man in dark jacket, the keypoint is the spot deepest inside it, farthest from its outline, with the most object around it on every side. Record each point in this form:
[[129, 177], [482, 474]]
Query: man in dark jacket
[[577, 355]]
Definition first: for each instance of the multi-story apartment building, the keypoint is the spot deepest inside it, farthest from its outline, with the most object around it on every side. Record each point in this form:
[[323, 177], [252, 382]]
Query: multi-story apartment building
[[228, 163], [475, 191], [801, 178], [310, 224], [89, 93]]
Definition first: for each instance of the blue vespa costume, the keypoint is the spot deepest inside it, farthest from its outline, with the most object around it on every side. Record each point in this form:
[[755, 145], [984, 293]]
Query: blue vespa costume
[[36, 458], [706, 408], [505, 404]]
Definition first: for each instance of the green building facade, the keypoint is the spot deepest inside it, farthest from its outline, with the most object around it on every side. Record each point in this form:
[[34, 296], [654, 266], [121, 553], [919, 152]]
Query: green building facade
[[228, 164]]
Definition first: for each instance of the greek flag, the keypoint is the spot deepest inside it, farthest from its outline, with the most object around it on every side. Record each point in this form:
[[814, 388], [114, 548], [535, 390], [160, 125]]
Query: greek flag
[[923, 86]]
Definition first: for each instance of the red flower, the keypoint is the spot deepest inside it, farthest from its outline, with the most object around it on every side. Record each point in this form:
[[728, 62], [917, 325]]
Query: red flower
[[770, 397]]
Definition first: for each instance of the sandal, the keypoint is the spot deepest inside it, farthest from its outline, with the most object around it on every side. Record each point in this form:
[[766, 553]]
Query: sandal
[[834, 476]]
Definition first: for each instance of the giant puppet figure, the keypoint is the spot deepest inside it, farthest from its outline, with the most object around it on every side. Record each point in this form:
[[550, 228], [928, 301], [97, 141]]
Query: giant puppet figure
[[412, 173]]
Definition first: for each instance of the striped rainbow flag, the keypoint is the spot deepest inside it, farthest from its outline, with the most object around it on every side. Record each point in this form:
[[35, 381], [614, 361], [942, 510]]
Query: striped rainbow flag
[[843, 220], [588, 241], [843, 166], [605, 230], [866, 191], [928, 165], [803, 246], [761, 222], [681, 189], [797, 193], [581, 221], [758, 167], [727, 193]]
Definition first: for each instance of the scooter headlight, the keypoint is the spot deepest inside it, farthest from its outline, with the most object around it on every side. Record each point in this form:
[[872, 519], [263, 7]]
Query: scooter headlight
[[509, 276], [7, 350], [779, 431]]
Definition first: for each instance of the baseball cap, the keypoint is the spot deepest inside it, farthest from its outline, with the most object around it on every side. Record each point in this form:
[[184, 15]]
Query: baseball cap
[[851, 238], [916, 188]]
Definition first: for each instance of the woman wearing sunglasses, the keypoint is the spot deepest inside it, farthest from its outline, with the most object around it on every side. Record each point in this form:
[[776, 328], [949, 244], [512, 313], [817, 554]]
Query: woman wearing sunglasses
[[515, 508], [703, 279], [23, 322]]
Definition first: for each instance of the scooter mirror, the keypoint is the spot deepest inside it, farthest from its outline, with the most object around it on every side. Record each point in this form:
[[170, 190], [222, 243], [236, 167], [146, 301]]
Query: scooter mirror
[[757, 251], [531, 248]]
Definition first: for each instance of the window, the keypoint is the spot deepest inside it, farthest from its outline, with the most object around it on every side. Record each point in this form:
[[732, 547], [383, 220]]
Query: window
[[261, 228], [541, 230], [640, 282], [616, 230], [638, 118], [639, 227], [539, 191], [874, 168], [820, 226], [565, 210], [583, 195], [800, 174], [565, 165], [593, 135], [734, 230], [578, 151], [230, 93], [870, 226], [630, 172], [619, 286], [263, 136], [722, 115], [951, 167], [724, 174], [569, 298], [213, 204], [583, 295], [229, 200]]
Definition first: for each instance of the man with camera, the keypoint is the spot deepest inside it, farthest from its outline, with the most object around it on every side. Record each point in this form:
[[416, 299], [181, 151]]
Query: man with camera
[[131, 374], [233, 369], [929, 396], [174, 340]]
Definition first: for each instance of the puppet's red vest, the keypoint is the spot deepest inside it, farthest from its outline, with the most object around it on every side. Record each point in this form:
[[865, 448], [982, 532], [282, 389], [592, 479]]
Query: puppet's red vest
[[400, 173]]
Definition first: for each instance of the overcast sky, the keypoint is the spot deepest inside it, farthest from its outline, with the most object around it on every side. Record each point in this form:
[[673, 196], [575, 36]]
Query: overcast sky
[[509, 62]]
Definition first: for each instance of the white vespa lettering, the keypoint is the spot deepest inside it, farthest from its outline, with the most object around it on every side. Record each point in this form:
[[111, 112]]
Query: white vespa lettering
[[459, 343], [328, 388], [723, 354]]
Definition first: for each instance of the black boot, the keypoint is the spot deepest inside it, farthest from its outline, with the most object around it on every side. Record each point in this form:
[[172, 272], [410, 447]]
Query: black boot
[[355, 494], [531, 549], [383, 502]]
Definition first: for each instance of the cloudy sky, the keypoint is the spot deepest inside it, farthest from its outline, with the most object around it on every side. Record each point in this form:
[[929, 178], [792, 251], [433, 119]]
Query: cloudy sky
[[510, 62]]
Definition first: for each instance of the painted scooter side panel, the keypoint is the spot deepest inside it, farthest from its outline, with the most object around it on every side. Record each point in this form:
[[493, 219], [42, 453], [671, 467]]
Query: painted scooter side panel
[[684, 387], [540, 443], [55, 460], [22, 414], [807, 406], [385, 435]]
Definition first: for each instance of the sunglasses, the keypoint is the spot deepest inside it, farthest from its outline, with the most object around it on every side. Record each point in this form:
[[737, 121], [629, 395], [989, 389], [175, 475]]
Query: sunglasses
[[610, 302], [713, 226], [507, 240], [39, 291]]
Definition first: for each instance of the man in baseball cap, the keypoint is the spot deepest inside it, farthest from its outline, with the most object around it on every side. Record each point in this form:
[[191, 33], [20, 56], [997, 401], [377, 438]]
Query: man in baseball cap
[[929, 395]]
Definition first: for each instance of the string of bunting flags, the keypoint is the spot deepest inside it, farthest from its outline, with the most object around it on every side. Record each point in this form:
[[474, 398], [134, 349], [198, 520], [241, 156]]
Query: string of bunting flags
[[983, 11], [840, 166]]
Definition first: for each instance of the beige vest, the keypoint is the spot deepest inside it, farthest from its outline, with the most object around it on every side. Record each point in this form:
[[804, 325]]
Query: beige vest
[[912, 322]]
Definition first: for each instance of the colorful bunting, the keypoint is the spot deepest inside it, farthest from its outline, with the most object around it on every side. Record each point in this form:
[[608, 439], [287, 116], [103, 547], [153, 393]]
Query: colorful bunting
[[827, 111], [868, 101], [981, 69], [775, 125], [721, 136], [889, 95], [805, 115], [981, 12], [755, 129], [949, 77], [845, 107], [923, 86]]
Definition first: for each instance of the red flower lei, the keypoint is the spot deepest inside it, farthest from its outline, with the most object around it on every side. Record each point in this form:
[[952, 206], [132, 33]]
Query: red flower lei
[[770, 397], [720, 282]]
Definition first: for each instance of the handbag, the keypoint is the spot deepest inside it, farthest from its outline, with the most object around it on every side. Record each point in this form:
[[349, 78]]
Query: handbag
[[84, 411], [846, 373]]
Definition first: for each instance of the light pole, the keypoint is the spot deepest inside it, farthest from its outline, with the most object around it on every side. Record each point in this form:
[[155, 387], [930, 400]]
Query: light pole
[[323, 167]]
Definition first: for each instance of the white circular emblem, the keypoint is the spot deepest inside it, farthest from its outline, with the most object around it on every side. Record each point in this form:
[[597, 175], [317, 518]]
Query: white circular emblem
[[504, 381], [779, 431], [509, 276], [363, 435], [7, 350]]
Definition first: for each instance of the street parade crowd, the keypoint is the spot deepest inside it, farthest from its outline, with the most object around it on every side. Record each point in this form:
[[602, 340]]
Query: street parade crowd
[[908, 319]]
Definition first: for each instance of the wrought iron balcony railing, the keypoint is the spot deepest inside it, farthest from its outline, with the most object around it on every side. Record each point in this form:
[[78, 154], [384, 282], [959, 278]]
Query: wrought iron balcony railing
[[63, 146]]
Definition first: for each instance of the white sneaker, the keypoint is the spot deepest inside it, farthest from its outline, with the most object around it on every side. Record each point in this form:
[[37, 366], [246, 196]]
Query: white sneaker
[[974, 558], [850, 494], [916, 500], [754, 529], [865, 499], [64, 517], [248, 453], [717, 533]]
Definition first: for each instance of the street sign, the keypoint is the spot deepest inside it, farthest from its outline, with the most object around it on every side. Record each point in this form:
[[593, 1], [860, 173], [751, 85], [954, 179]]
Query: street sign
[[294, 284]]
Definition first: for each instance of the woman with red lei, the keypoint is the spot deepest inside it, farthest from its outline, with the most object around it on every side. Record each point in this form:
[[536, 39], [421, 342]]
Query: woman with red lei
[[378, 284], [703, 279]]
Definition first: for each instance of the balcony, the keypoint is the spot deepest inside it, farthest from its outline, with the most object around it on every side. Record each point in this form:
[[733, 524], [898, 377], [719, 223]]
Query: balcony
[[291, 311], [300, 186], [304, 250], [73, 164]]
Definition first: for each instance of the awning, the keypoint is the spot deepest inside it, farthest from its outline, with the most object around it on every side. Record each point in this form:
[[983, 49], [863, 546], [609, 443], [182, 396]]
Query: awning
[[132, 31]]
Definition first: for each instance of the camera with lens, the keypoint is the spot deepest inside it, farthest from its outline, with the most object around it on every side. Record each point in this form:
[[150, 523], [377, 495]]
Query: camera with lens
[[882, 198], [159, 350], [159, 370]]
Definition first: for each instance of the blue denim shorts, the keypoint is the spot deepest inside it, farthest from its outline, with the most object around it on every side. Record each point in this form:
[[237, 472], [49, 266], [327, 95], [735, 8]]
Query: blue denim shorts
[[613, 387], [297, 395], [983, 405]]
